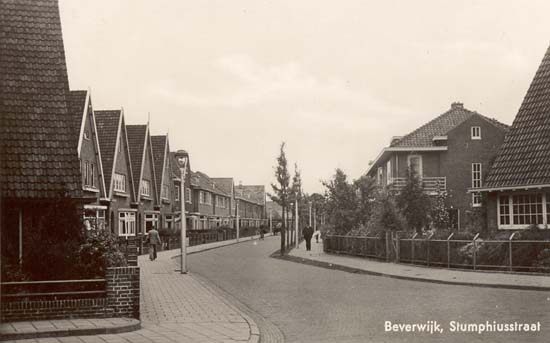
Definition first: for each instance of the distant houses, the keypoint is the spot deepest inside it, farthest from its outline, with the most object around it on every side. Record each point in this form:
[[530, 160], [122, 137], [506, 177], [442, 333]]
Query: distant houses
[[56, 145], [451, 153]]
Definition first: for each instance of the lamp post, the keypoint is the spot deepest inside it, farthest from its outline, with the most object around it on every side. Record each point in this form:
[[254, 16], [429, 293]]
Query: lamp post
[[181, 158], [296, 224]]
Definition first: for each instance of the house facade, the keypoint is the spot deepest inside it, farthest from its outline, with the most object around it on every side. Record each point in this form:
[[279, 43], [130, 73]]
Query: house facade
[[143, 171], [250, 203], [518, 184], [121, 214], [451, 153], [165, 185], [211, 203]]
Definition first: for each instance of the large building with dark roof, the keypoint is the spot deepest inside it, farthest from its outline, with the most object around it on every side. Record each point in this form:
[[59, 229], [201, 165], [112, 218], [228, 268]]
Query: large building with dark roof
[[451, 153], [518, 182]]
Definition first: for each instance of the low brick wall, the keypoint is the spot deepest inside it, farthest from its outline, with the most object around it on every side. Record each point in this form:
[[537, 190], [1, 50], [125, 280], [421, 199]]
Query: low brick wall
[[123, 292], [121, 300]]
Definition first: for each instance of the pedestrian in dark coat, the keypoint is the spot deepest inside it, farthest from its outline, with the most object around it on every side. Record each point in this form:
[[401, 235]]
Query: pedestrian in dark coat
[[154, 241], [308, 233]]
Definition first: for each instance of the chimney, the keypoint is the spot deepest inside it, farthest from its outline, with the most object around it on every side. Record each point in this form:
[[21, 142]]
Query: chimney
[[457, 106]]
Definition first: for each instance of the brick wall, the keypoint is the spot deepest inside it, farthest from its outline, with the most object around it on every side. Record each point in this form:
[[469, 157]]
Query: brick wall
[[121, 300], [123, 292]]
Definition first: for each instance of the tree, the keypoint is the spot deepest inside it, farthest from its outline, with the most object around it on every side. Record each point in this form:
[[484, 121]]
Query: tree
[[367, 191], [281, 189], [341, 202], [439, 213], [413, 202]]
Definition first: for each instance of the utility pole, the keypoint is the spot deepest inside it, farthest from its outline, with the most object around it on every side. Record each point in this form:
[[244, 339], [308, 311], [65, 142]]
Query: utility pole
[[296, 224], [238, 224], [310, 213], [181, 158]]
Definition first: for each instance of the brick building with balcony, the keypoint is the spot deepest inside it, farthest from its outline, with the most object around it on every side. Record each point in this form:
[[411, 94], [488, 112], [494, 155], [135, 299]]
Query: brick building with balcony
[[453, 152]]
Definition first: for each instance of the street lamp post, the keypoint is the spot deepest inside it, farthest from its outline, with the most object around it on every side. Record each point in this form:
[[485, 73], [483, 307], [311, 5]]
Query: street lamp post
[[181, 158], [238, 224], [296, 224]]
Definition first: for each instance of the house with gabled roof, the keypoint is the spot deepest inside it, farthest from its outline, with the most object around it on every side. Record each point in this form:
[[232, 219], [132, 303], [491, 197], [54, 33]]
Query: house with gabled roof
[[227, 184], [89, 153], [451, 153], [143, 171], [211, 203], [189, 202], [39, 162], [117, 169], [165, 184], [251, 205], [518, 183]]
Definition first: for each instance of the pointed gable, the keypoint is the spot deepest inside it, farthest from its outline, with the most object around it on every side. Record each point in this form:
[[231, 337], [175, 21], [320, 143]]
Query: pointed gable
[[136, 144], [158, 145], [38, 154], [524, 157]]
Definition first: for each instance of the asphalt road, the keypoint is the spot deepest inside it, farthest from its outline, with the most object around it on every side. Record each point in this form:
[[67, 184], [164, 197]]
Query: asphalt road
[[313, 304]]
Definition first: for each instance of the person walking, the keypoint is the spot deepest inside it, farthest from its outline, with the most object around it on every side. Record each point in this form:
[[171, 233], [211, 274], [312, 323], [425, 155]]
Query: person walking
[[154, 241], [308, 233]]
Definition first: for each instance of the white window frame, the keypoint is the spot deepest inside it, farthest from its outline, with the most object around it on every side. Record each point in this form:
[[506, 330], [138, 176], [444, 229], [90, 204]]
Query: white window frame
[[380, 175], [126, 224], [201, 197], [476, 199], [188, 195], [420, 173], [177, 193], [165, 192], [145, 188], [207, 198], [477, 178], [388, 172], [475, 132], [510, 210], [119, 183]]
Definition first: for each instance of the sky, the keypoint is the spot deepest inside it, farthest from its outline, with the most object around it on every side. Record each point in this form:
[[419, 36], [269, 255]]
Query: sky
[[335, 80]]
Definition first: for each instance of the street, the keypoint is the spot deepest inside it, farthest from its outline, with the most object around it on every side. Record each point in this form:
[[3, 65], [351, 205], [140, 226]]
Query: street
[[313, 304]]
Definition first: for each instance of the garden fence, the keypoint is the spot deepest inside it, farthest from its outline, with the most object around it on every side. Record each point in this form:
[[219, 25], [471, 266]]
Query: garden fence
[[476, 254]]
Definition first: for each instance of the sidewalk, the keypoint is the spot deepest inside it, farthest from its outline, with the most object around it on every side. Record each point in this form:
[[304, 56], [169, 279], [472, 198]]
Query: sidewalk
[[174, 308], [419, 273]]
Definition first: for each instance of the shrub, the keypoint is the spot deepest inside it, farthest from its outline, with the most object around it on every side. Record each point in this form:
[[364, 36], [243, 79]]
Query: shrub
[[543, 260], [386, 215], [99, 251]]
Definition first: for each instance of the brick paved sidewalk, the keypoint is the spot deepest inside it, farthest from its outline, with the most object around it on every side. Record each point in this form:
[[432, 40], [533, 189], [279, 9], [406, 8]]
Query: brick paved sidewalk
[[176, 308], [420, 273]]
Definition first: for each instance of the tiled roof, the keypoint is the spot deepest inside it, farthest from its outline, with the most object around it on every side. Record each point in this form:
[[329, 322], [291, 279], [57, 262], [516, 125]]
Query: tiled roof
[[38, 152], [136, 144], [252, 193], [158, 143], [107, 129], [225, 183], [524, 157], [202, 181], [440, 126], [77, 101]]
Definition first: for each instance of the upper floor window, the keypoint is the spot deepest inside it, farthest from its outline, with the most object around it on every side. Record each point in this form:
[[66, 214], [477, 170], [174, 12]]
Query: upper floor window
[[88, 174], [177, 193], [207, 198], [188, 195], [145, 187], [380, 175], [415, 164], [120, 182], [87, 135], [165, 192], [476, 132], [201, 197], [476, 175], [220, 201], [388, 172]]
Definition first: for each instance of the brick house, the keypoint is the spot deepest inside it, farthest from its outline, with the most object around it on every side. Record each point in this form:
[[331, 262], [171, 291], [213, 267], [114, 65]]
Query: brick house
[[251, 204], [165, 185], [89, 153], [115, 155], [211, 203], [39, 160], [453, 152], [518, 183], [227, 184], [176, 182], [143, 171]]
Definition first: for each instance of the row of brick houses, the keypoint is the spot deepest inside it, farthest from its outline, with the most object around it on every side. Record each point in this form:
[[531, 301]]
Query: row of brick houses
[[55, 144], [497, 177]]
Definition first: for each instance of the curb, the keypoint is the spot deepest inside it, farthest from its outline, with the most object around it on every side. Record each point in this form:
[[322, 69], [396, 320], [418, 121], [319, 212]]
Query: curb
[[347, 269], [132, 325]]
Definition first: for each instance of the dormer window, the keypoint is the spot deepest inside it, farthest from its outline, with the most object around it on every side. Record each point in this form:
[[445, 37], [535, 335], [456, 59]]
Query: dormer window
[[476, 132], [87, 135], [145, 188]]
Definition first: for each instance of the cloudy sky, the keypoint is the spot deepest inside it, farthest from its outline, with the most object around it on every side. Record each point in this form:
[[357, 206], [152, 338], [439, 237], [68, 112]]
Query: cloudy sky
[[230, 80]]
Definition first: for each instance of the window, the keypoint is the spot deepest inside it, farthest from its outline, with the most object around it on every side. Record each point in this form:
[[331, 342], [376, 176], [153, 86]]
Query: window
[[127, 223], [207, 198], [87, 135], [380, 175], [177, 192], [92, 175], [523, 210], [188, 195], [94, 218], [169, 221], [151, 221], [476, 199], [88, 174], [388, 172], [476, 132], [415, 164], [201, 197], [476, 175], [165, 192], [220, 201], [120, 183], [145, 188]]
